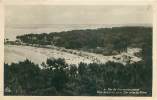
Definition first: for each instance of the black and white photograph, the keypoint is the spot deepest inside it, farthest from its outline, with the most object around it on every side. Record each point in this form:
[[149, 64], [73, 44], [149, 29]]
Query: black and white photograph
[[83, 50]]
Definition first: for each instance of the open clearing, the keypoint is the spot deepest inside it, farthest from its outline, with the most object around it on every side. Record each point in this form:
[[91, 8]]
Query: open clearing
[[14, 53]]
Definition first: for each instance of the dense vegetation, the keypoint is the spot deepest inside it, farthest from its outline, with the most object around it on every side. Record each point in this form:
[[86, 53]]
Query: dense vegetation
[[58, 78], [103, 40]]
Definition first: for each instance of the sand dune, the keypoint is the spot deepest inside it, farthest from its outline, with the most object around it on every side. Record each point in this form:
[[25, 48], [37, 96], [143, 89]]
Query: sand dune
[[37, 55]]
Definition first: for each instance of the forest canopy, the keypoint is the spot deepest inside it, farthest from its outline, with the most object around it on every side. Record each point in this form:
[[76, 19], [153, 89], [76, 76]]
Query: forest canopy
[[60, 79], [108, 39]]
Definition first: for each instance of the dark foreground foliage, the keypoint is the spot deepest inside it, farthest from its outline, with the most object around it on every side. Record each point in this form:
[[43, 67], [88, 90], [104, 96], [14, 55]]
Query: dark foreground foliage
[[58, 78]]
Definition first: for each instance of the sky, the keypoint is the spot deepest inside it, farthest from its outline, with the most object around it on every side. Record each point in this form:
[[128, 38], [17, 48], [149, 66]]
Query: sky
[[22, 19]]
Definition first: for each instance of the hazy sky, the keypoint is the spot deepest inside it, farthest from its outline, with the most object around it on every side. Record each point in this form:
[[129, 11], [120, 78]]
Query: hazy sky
[[34, 17]]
